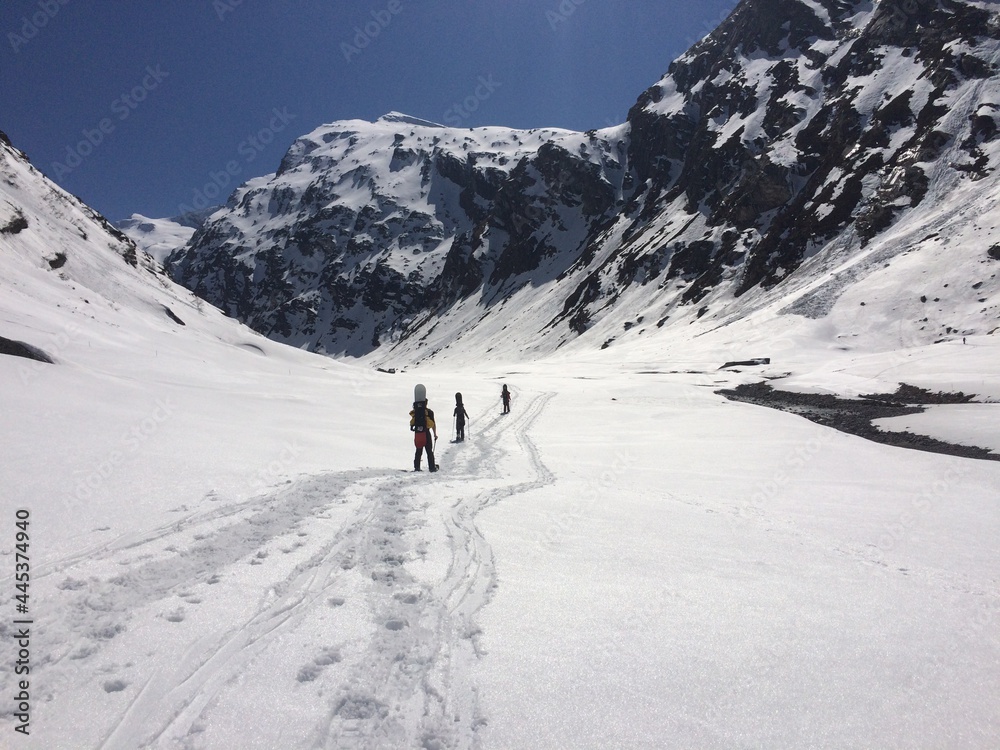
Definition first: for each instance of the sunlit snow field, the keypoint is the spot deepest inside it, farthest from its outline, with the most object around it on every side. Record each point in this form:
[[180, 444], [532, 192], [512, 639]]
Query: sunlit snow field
[[227, 547], [227, 550]]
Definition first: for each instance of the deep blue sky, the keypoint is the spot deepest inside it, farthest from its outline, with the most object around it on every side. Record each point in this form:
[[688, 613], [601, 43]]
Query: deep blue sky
[[211, 74]]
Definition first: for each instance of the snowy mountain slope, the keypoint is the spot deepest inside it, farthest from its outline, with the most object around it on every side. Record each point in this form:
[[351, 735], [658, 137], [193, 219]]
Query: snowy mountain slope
[[160, 237], [136, 358], [65, 261], [224, 552], [367, 226], [780, 163], [834, 156]]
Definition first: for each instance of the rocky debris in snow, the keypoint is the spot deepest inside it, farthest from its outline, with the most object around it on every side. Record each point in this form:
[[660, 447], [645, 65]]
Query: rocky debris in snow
[[748, 362], [854, 416], [21, 349]]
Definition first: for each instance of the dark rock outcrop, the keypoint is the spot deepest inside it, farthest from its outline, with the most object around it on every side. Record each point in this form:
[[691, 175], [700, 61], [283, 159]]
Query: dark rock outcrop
[[793, 127], [20, 349]]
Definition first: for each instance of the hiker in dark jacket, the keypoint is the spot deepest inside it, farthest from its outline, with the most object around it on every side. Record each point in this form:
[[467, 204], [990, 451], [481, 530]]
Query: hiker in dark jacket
[[422, 424], [460, 416], [505, 398]]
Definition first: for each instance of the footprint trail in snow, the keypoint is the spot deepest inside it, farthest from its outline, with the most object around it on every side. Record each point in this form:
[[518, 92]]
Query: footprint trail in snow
[[339, 612]]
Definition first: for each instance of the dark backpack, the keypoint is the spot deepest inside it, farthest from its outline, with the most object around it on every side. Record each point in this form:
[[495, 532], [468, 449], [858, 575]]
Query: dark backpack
[[419, 418]]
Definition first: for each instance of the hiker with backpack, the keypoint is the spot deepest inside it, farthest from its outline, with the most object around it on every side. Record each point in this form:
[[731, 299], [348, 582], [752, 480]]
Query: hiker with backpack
[[422, 425], [505, 398], [460, 416]]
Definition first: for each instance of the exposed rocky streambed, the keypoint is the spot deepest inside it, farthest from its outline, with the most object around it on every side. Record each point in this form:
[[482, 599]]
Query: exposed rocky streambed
[[855, 416]]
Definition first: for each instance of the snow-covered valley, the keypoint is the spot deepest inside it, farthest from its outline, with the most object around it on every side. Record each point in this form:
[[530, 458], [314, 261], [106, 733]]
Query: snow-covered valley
[[213, 540], [227, 550], [222, 545]]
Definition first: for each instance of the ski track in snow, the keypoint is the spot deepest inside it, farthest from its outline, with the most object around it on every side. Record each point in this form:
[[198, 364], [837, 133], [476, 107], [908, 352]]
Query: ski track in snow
[[408, 685], [415, 672]]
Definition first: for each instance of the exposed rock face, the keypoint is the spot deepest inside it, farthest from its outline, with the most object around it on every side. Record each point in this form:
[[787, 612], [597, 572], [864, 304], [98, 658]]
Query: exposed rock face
[[799, 123], [797, 129], [369, 227]]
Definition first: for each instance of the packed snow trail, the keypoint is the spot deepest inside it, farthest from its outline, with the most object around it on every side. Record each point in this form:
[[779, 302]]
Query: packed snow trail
[[346, 602], [411, 686]]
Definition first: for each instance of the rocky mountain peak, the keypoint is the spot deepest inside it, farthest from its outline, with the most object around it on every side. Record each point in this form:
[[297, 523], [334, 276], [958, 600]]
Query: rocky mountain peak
[[798, 133]]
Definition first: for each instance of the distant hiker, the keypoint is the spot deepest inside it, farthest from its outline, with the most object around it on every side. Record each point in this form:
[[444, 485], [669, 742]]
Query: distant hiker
[[505, 398], [460, 416], [422, 425]]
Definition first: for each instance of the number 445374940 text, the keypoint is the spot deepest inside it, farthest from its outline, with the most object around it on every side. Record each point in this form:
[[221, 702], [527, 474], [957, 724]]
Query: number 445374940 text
[[22, 623]]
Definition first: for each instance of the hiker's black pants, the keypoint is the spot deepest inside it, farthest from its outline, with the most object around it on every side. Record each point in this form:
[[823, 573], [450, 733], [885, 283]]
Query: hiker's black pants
[[429, 447]]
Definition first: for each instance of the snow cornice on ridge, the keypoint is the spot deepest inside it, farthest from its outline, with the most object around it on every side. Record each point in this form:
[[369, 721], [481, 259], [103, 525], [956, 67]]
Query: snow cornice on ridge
[[408, 120]]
